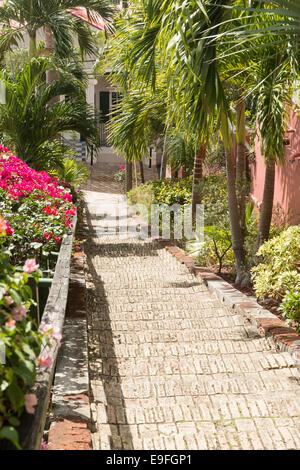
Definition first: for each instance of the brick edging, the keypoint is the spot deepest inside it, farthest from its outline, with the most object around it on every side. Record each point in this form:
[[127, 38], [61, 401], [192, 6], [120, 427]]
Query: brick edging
[[70, 418], [267, 323]]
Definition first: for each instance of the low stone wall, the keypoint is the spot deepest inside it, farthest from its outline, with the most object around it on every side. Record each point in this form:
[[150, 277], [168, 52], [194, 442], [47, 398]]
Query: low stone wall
[[32, 426]]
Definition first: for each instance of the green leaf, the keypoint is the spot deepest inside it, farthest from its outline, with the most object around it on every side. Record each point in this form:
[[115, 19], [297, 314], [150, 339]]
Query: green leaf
[[14, 421], [8, 432], [15, 394], [26, 371]]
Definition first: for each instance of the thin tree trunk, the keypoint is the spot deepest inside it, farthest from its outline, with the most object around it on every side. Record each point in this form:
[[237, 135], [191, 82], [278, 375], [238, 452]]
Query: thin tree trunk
[[32, 45], [267, 205], [128, 176], [163, 167], [241, 176], [51, 75], [234, 215], [142, 171], [197, 177]]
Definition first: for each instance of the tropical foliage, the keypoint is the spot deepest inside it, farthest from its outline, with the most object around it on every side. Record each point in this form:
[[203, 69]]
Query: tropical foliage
[[277, 273], [21, 18], [290, 306], [31, 122], [37, 208]]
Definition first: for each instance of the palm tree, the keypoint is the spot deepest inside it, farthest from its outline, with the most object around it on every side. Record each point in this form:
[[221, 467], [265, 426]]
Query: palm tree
[[33, 123], [276, 72], [19, 18]]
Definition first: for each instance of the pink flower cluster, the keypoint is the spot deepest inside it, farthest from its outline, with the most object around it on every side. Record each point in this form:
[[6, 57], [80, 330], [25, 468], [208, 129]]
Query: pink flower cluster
[[30, 266], [20, 181], [52, 332], [5, 229]]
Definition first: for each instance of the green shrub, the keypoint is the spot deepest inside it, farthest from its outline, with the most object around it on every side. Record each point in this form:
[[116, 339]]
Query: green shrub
[[216, 248], [71, 172], [290, 306], [277, 273], [21, 345], [172, 191], [119, 177]]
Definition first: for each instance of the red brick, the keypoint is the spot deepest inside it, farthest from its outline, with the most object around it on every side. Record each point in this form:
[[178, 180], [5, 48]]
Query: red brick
[[69, 435]]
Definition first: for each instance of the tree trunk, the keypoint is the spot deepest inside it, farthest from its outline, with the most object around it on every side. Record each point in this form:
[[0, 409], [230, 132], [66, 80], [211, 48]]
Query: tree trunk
[[51, 75], [197, 177], [267, 205], [163, 167], [234, 215], [32, 45], [142, 171], [241, 176], [128, 176]]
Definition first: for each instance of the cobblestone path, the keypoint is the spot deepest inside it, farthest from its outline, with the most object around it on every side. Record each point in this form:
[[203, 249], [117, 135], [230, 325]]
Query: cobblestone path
[[170, 366]]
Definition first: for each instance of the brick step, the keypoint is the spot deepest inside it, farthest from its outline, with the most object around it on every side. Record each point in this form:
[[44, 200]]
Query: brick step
[[193, 364], [182, 287], [198, 409], [233, 333], [134, 316], [167, 324], [208, 437], [147, 300], [275, 380], [184, 348], [158, 305]]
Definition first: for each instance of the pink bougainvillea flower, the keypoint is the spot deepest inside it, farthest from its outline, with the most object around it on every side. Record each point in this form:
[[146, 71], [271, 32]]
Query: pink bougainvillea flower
[[9, 230], [5, 149], [2, 226], [52, 332], [45, 328], [47, 236], [30, 401], [55, 336], [19, 312], [30, 266], [45, 360], [9, 300], [44, 445], [10, 323], [5, 229], [122, 167]]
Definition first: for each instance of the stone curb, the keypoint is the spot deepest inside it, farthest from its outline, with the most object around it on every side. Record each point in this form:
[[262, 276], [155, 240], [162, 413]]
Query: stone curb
[[70, 416], [267, 323], [32, 426]]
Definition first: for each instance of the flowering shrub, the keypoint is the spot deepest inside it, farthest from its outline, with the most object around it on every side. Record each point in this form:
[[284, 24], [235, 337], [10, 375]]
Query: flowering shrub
[[37, 209], [277, 273], [168, 191], [35, 213], [120, 176], [20, 345], [290, 306]]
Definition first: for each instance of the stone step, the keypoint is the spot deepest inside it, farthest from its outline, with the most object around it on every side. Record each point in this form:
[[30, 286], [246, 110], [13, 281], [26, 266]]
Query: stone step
[[193, 364], [207, 437], [234, 333], [170, 324], [182, 349], [212, 409], [275, 380]]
